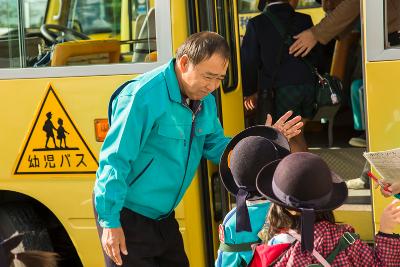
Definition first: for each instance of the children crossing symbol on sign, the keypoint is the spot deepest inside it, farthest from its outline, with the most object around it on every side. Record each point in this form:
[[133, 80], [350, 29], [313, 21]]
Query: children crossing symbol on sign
[[54, 144], [49, 129]]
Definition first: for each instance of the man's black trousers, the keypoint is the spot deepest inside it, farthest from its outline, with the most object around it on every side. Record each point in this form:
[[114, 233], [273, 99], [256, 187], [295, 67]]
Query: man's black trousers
[[150, 243]]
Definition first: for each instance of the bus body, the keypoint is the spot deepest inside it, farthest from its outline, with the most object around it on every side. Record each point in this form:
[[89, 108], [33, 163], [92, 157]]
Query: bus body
[[56, 85]]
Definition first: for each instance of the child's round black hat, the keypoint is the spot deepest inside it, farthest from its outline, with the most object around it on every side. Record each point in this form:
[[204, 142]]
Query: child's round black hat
[[302, 182], [259, 145], [241, 161]]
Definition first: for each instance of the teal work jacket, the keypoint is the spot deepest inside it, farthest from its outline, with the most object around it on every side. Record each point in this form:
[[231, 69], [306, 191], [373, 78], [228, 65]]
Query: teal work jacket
[[153, 147]]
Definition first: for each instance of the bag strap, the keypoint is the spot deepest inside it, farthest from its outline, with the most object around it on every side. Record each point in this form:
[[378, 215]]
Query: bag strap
[[283, 32], [237, 247], [315, 253], [287, 39], [345, 241]]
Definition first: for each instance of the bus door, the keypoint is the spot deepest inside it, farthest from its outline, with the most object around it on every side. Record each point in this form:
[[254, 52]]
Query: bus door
[[381, 68], [60, 61], [329, 131], [219, 16]]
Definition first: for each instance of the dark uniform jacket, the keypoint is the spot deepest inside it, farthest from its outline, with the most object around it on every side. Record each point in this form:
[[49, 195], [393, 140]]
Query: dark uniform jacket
[[260, 47]]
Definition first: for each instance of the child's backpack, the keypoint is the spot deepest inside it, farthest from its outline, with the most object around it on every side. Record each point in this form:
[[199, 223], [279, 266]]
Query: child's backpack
[[267, 255]]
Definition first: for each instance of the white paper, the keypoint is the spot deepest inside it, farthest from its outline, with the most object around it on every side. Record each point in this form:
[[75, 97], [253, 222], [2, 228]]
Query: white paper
[[386, 163]]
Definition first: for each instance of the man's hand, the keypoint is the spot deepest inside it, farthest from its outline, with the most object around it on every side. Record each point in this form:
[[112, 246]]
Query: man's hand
[[288, 128], [305, 41], [113, 242], [250, 102], [390, 217]]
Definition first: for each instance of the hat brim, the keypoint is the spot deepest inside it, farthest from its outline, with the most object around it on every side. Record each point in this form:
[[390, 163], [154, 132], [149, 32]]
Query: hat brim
[[264, 186], [269, 133]]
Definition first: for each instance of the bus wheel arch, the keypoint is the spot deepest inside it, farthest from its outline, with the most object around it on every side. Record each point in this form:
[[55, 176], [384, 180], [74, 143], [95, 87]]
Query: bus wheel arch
[[22, 213]]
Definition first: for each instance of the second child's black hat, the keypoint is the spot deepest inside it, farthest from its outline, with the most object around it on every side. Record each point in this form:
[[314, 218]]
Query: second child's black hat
[[302, 182], [243, 158]]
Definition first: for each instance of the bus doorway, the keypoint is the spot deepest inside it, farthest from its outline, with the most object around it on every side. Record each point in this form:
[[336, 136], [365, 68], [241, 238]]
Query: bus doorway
[[330, 130]]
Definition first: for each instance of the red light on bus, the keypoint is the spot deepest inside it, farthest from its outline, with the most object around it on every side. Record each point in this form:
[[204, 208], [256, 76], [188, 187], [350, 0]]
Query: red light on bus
[[101, 129]]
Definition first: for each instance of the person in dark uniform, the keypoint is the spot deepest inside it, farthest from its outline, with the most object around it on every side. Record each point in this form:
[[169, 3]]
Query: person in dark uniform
[[267, 67]]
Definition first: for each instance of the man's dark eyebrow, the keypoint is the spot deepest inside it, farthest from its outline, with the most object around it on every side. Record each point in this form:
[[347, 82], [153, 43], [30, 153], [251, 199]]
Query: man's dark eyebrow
[[214, 75]]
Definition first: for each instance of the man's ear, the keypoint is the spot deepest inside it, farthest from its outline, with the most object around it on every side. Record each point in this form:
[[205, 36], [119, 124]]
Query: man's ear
[[183, 63]]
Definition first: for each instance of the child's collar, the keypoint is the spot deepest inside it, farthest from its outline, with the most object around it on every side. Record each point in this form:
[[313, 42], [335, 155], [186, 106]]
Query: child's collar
[[275, 3], [255, 202]]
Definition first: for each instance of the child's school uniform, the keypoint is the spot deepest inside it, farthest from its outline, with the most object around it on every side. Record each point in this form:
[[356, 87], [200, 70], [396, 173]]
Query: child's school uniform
[[326, 237], [281, 238], [235, 247]]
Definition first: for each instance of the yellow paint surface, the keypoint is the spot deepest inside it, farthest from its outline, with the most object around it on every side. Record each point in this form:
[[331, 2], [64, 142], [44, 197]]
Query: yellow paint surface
[[383, 106]]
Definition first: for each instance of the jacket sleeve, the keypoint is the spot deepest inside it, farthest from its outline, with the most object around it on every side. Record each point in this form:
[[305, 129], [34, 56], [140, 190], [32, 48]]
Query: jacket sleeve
[[250, 60], [386, 252], [215, 143], [131, 124], [336, 21]]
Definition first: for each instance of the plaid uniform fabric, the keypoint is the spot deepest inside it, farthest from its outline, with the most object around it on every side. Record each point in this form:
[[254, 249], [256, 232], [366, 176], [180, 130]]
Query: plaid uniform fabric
[[298, 98], [326, 236]]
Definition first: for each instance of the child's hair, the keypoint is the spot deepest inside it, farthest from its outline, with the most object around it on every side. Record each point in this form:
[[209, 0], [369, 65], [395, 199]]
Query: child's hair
[[280, 218]]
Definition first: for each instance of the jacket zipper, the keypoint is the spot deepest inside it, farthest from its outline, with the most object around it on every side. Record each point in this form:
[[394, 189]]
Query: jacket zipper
[[188, 157]]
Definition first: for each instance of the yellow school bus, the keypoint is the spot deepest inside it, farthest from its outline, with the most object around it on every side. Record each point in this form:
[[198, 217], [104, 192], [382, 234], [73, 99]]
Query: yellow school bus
[[60, 61]]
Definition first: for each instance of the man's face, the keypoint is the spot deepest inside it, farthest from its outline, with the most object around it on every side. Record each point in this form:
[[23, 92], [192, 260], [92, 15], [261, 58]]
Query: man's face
[[201, 79]]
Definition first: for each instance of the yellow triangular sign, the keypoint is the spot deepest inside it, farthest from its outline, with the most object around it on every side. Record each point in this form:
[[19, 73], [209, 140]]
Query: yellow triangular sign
[[53, 144]]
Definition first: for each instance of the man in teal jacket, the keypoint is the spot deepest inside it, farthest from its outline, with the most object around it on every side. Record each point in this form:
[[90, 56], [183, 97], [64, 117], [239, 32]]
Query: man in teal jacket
[[161, 124]]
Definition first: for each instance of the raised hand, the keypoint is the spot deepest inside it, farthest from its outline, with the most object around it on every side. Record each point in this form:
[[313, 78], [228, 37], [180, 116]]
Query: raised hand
[[289, 128]]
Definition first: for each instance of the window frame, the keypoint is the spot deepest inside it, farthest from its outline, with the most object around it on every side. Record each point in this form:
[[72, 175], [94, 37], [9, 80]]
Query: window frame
[[376, 31], [164, 54]]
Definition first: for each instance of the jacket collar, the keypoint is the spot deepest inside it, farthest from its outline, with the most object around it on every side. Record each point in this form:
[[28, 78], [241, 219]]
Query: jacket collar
[[280, 6], [174, 90], [172, 82]]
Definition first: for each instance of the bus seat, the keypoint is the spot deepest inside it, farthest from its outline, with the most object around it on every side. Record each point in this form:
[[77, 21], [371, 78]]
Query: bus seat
[[151, 57], [86, 52], [138, 25], [327, 113], [341, 53], [147, 31]]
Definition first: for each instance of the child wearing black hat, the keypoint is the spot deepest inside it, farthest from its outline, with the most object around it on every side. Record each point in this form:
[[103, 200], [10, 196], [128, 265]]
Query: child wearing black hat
[[242, 159], [304, 192]]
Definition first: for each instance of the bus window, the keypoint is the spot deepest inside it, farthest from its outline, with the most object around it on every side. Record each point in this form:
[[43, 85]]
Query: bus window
[[93, 17], [9, 25], [392, 24], [76, 32], [382, 30]]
